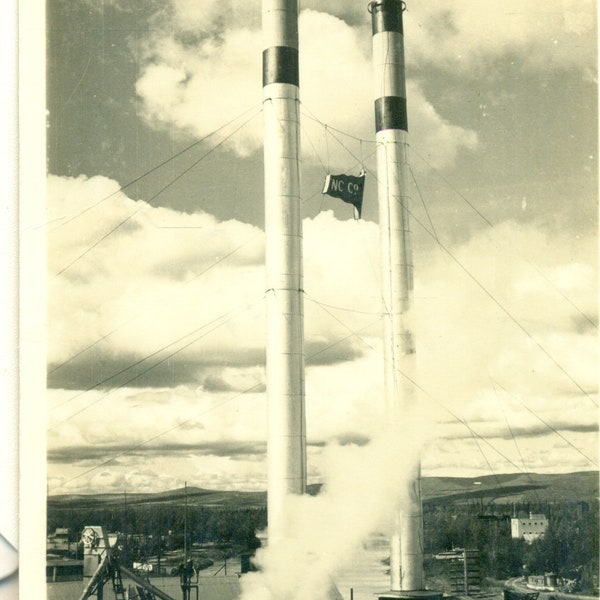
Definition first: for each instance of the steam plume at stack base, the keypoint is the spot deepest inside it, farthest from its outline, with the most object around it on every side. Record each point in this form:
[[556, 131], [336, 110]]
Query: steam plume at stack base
[[362, 488]]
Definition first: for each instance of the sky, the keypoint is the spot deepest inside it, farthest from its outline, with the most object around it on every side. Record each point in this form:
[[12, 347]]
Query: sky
[[155, 241]]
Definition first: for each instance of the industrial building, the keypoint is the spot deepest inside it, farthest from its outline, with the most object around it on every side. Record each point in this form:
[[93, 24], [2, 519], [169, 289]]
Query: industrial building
[[529, 529]]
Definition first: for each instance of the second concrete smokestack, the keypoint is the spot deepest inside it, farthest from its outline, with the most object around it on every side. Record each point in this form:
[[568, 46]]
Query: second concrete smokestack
[[391, 124]]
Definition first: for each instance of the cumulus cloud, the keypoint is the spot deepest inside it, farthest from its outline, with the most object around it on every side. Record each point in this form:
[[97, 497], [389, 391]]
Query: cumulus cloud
[[156, 317], [512, 321], [168, 297], [206, 71], [182, 431], [474, 456], [154, 348], [199, 87], [120, 303], [538, 35], [146, 287], [508, 360]]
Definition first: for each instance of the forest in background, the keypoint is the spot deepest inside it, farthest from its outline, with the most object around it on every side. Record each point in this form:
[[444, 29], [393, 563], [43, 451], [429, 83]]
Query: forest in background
[[152, 525]]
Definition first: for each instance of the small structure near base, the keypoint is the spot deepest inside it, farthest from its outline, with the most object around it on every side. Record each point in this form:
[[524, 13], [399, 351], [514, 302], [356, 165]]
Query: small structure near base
[[463, 569], [101, 564]]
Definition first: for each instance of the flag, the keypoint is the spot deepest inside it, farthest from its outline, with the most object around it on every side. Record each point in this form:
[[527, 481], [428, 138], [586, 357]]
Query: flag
[[347, 188]]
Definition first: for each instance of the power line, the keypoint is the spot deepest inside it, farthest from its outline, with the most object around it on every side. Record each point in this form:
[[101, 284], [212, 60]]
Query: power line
[[435, 235], [253, 387], [462, 196], [351, 334], [214, 323], [196, 276], [467, 201], [498, 482], [226, 256], [506, 312], [256, 386], [430, 396], [153, 169], [83, 351], [304, 130], [352, 310], [487, 292], [562, 437], [157, 436], [358, 161], [514, 439], [481, 286], [491, 225], [500, 306], [174, 180], [312, 116]]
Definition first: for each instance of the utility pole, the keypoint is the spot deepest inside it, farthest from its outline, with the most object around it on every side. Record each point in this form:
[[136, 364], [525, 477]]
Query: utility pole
[[185, 554]]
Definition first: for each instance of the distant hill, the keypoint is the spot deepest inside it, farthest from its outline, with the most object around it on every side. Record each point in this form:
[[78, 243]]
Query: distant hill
[[516, 487], [195, 497]]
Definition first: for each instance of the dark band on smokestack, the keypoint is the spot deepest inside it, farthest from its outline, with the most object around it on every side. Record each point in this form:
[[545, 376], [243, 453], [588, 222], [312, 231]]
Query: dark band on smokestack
[[386, 17], [280, 65], [390, 113]]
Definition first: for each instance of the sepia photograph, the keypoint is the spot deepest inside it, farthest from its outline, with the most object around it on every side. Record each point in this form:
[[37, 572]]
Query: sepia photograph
[[317, 314]]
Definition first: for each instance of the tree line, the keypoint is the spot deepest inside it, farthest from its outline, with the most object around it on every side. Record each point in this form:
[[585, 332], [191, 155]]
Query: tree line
[[569, 548], [151, 529]]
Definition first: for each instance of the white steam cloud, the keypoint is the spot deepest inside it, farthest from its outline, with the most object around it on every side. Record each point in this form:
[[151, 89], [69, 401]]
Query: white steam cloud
[[363, 488]]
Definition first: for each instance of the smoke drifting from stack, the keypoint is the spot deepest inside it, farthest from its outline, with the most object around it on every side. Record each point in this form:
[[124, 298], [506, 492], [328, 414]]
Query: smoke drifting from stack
[[363, 486]]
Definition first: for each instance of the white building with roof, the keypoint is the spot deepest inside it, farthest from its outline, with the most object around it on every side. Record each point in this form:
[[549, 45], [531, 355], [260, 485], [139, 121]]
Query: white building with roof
[[530, 528]]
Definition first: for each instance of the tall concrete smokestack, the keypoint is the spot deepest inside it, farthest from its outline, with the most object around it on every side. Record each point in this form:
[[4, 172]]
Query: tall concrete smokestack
[[283, 225], [391, 124]]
